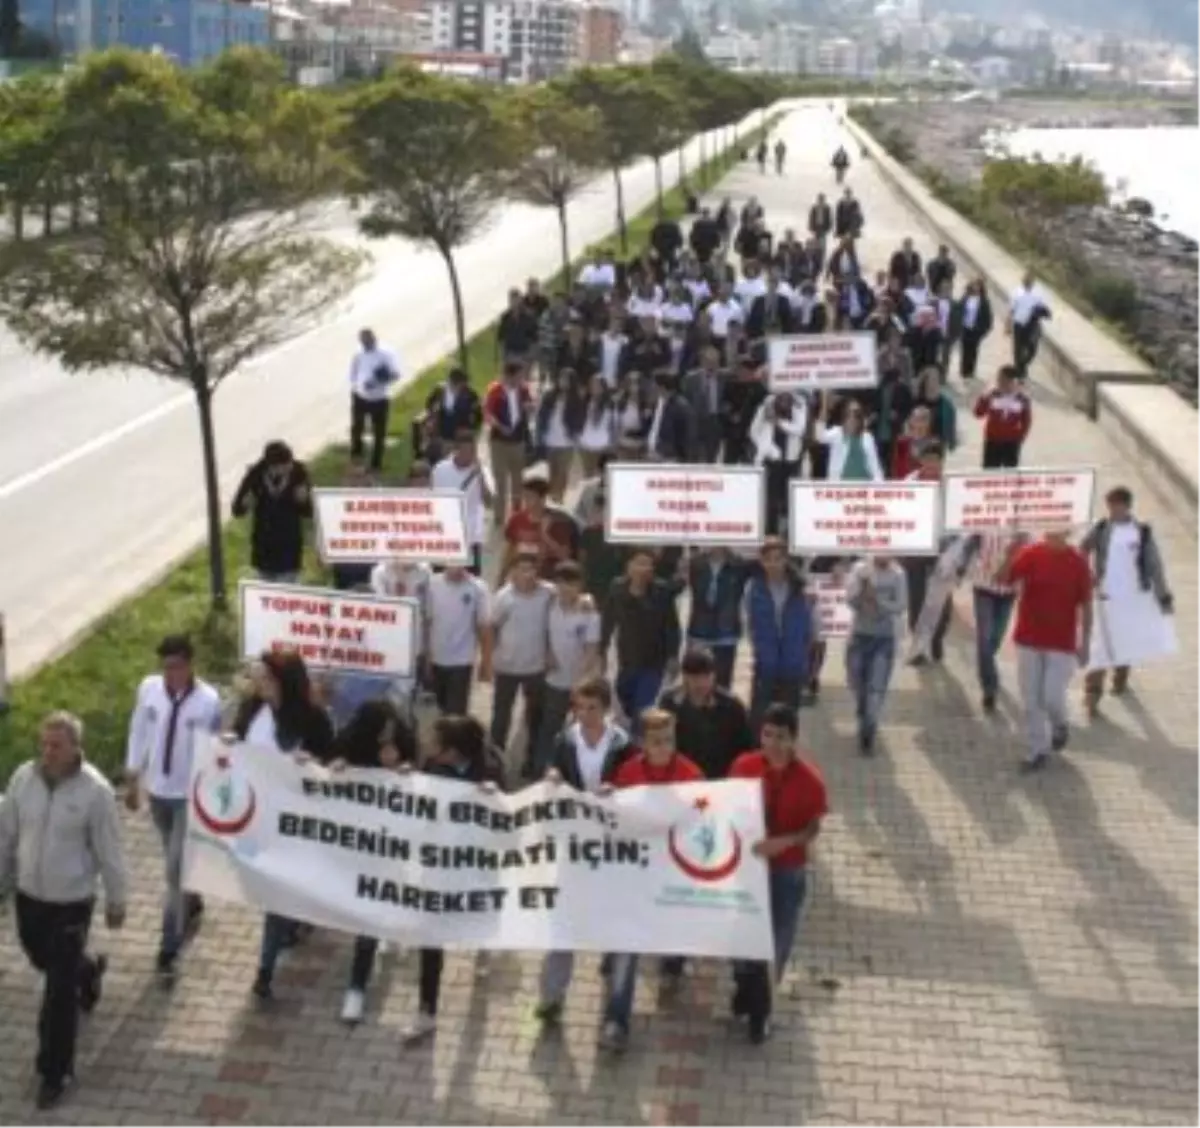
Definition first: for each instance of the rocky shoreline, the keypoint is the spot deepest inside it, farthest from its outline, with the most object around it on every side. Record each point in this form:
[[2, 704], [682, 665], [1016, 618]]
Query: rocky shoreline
[[1162, 264]]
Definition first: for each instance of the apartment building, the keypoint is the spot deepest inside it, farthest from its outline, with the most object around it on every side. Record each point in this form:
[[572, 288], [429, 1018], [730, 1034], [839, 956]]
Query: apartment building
[[601, 33], [537, 38]]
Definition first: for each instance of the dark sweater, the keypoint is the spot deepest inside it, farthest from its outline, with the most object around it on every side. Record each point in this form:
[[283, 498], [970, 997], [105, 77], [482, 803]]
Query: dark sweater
[[646, 626], [711, 736], [277, 533]]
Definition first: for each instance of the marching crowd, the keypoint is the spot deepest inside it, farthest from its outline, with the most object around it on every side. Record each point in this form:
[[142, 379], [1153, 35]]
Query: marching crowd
[[621, 657]]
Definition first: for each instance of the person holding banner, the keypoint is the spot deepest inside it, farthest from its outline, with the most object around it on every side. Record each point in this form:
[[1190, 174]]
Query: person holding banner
[[716, 580], [778, 433], [853, 456], [376, 736], [1133, 600], [657, 762], [458, 633], [461, 470], [794, 803], [877, 595], [986, 557]]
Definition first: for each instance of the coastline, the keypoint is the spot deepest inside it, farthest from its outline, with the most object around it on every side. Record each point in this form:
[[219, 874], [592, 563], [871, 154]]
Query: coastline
[[1110, 248]]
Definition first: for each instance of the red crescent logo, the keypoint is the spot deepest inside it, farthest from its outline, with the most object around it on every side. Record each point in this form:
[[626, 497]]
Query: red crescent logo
[[700, 873], [218, 826]]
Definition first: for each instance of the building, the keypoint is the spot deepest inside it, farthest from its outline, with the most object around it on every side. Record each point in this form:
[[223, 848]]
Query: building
[[325, 40], [189, 31], [537, 38], [839, 58], [601, 31], [788, 49]]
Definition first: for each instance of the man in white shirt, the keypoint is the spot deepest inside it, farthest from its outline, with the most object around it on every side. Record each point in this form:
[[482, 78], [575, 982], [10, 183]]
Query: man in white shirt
[[724, 312], [1027, 311], [373, 372], [404, 579], [172, 709], [599, 273], [463, 471], [457, 632]]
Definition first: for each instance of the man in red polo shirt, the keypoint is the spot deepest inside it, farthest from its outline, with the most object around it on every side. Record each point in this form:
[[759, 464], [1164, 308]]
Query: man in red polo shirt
[[794, 803], [658, 762], [1054, 621]]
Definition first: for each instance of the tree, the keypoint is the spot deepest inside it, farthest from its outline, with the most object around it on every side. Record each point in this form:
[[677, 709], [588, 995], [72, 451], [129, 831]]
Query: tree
[[205, 255], [30, 119], [689, 49], [616, 93], [668, 125], [565, 146], [432, 157]]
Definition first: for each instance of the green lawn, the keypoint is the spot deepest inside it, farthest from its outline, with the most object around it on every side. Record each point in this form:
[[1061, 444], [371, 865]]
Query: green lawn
[[98, 677]]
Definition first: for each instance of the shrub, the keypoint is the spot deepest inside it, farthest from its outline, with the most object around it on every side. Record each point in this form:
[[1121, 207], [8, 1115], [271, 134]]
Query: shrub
[[898, 143], [1043, 186], [1113, 297]]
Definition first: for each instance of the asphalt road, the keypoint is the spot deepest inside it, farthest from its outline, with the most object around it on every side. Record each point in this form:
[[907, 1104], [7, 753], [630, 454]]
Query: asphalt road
[[100, 474]]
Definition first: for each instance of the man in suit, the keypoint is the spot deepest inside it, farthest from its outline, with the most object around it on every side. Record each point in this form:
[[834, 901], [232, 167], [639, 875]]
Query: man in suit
[[848, 216], [672, 433], [905, 264], [809, 312], [704, 390], [451, 408], [770, 313]]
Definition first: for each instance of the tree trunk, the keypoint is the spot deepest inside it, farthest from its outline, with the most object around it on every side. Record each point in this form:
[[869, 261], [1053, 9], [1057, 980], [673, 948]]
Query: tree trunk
[[621, 211], [566, 244], [703, 160], [658, 183], [47, 218], [18, 221], [682, 163], [212, 491], [460, 318]]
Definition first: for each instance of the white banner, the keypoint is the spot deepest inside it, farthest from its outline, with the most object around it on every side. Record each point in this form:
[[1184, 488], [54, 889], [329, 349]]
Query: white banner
[[833, 610], [1018, 500], [331, 630], [365, 526], [863, 518], [672, 504], [419, 859], [810, 362]]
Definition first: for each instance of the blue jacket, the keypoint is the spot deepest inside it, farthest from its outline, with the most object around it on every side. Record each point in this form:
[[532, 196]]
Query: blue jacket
[[779, 653]]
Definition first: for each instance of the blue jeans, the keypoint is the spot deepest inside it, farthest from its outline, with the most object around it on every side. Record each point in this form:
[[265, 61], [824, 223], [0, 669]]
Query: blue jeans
[[622, 984], [278, 933], [170, 820], [992, 612], [869, 660], [788, 890], [638, 690]]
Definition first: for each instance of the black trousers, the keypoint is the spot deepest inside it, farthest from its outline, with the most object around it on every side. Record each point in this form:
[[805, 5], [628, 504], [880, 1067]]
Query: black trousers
[[778, 476], [54, 937], [376, 411], [1000, 455], [1025, 345], [968, 355], [429, 982], [504, 698], [452, 689]]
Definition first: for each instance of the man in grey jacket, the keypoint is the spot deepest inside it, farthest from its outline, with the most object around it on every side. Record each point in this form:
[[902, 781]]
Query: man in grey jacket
[[59, 832]]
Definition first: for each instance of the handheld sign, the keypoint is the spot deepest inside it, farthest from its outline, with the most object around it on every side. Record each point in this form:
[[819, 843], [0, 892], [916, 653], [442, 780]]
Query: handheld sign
[[673, 504], [332, 630], [863, 518], [996, 501], [812, 362], [832, 609], [357, 526]]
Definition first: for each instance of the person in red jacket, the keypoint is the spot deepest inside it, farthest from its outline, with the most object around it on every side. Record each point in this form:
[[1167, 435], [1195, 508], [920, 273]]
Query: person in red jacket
[[794, 803], [657, 762], [1008, 415]]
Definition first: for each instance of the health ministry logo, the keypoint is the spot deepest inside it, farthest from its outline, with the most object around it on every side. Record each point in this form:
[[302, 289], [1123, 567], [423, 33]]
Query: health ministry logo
[[223, 800], [705, 847]]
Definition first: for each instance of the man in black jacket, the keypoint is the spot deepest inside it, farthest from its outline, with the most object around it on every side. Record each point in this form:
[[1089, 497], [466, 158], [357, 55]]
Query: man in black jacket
[[667, 240], [277, 492], [848, 216], [450, 408], [712, 727], [672, 433], [705, 236], [770, 313], [905, 264]]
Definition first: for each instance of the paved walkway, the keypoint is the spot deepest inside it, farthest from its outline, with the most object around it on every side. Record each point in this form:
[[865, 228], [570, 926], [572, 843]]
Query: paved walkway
[[981, 948]]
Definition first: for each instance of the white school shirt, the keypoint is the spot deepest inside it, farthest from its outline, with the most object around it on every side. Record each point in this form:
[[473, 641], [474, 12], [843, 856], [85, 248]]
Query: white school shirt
[[557, 437], [698, 288], [408, 581], [677, 313], [599, 432], [457, 610], [970, 312], [611, 345], [640, 307], [262, 731], [448, 475], [151, 732], [722, 314], [1025, 303], [362, 373], [655, 425], [748, 289], [944, 306], [598, 275]]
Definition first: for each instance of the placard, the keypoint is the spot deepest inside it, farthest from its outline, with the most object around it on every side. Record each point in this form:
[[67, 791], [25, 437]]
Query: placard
[[1022, 500], [331, 630], [863, 518], [357, 526], [833, 611], [808, 362], [432, 862], [673, 504]]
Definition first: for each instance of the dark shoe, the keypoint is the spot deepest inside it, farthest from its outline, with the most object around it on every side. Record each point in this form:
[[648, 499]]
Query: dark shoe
[[760, 1030], [549, 1014], [1034, 764], [91, 984], [262, 987], [1120, 684], [866, 742], [195, 915], [989, 702], [738, 1006], [166, 966], [1059, 738], [917, 661], [938, 654], [50, 1093]]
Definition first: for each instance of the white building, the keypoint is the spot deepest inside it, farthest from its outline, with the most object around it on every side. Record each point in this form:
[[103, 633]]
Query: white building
[[788, 49], [839, 58], [538, 38]]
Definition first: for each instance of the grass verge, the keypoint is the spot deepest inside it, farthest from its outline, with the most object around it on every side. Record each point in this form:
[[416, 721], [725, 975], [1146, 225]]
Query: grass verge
[[98, 677]]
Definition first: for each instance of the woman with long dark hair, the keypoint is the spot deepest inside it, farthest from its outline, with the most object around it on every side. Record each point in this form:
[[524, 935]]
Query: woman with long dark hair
[[460, 750], [377, 736], [558, 423], [597, 435], [281, 715]]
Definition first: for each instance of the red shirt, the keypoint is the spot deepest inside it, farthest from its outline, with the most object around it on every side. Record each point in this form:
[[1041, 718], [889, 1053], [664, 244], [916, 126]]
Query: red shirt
[[1055, 582], [638, 770], [1007, 416], [523, 531], [793, 799]]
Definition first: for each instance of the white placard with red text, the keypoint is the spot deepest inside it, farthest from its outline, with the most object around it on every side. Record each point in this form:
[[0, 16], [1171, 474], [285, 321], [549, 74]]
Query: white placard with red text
[[331, 630], [809, 362], [832, 609], [1018, 500], [366, 526], [673, 504], [864, 518]]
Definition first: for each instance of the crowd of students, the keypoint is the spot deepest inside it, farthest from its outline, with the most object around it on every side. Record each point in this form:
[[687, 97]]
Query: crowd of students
[[658, 358]]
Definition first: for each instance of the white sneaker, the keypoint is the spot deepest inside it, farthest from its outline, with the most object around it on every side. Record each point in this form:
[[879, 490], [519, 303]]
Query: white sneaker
[[353, 1006], [422, 1027]]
